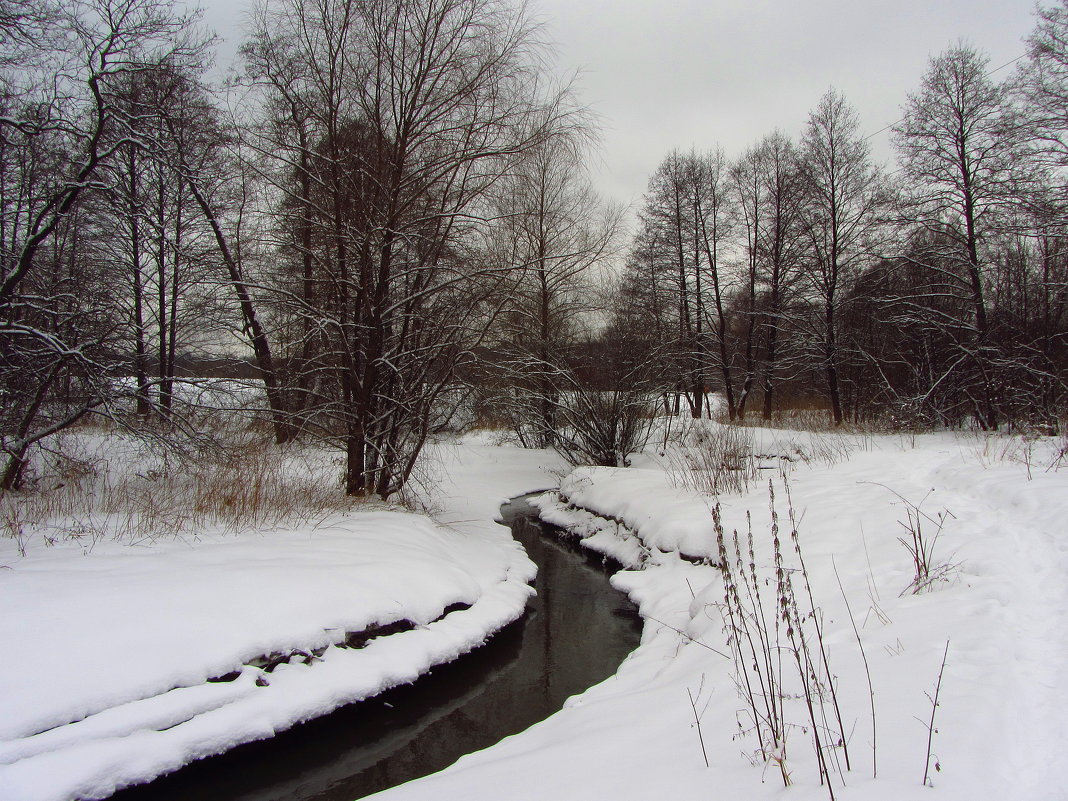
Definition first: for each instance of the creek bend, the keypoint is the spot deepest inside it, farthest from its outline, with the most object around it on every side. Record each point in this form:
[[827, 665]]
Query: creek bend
[[574, 634]]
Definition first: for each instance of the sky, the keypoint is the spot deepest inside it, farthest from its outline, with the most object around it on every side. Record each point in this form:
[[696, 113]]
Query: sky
[[664, 74]]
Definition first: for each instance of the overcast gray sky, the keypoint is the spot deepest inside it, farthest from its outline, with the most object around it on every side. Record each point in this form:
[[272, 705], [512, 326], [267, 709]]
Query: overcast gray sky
[[681, 73]]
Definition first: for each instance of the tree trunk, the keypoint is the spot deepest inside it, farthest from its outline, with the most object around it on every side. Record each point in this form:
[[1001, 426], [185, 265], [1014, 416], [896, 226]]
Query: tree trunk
[[769, 368], [831, 360], [172, 317], [161, 298], [283, 431], [140, 351]]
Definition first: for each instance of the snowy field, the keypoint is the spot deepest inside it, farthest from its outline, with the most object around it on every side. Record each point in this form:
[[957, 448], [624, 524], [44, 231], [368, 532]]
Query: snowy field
[[109, 648]]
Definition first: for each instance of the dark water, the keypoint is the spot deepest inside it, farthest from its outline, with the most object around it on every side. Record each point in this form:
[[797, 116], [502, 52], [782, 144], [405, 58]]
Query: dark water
[[575, 633]]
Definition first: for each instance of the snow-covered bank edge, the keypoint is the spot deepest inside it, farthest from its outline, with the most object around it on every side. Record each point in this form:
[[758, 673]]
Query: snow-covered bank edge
[[632, 515], [137, 658], [142, 739], [610, 538], [651, 577], [1000, 714]]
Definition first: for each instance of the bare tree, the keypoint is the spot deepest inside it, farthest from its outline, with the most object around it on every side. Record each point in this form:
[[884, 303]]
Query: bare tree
[[553, 233], [410, 112], [715, 217], [841, 217], [62, 129], [748, 187], [1041, 84], [685, 219], [148, 220], [961, 158], [642, 317], [771, 189]]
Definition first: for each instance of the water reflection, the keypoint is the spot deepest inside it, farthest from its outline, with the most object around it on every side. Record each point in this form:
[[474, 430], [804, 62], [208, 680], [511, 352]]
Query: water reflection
[[574, 634]]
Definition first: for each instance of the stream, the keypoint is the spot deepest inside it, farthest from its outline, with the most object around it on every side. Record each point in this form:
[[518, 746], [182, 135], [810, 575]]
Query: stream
[[574, 634]]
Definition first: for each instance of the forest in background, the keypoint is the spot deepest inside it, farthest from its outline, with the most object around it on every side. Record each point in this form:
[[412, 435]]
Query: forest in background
[[387, 207]]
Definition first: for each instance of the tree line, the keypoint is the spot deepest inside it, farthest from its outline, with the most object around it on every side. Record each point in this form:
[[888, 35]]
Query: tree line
[[804, 273], [387, 206]]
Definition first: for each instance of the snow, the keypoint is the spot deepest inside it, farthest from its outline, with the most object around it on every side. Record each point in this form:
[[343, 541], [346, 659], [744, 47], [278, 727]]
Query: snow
[[108, 650], [643, 500], [1000, 724]]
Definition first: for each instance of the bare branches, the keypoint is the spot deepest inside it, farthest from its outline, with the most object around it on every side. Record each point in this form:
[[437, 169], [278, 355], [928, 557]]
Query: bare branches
[[67, 121], [389, 123], [930, 724]]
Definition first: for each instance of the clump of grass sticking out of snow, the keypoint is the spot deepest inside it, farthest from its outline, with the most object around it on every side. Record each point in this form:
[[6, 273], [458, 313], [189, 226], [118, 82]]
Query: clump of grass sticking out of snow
[[1060, 455], [124, 491], [1036, 448], [920, 540], [712, 458]]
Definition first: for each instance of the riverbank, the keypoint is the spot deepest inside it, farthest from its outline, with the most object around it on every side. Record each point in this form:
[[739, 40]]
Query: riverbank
[[998, 599], [127, 661]]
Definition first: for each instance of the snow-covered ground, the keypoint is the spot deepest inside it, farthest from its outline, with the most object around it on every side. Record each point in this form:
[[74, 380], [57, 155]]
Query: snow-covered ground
[[1003, 609], [107, 651], [109, 648]]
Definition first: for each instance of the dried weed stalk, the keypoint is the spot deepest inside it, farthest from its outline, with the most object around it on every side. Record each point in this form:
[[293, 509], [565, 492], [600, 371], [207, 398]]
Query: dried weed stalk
[[930, 724], [763, 632]]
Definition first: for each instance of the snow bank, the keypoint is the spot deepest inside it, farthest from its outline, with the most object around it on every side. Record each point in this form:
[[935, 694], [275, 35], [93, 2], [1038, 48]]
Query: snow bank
[[120, 641], [647, 502], [110, 651], [1001, 720]]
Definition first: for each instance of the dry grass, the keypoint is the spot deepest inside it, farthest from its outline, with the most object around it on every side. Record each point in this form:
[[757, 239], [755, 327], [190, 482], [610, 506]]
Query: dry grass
[[1060, 456], [801, 419], [129, 493], [719, 458], [715, 459], [1036, 449], [816, 419]]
